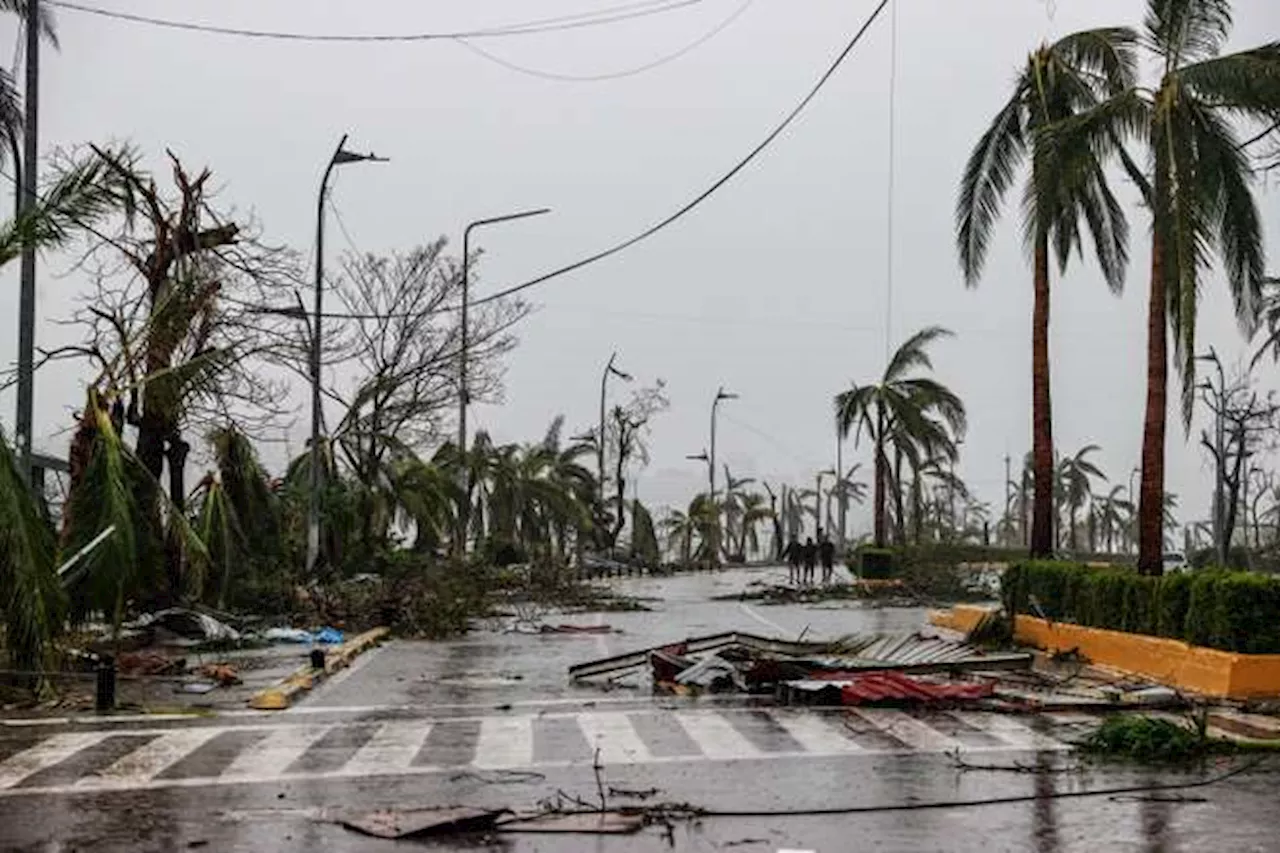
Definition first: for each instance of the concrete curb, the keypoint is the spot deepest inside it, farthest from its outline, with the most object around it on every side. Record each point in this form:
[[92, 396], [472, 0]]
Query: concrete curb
[[280, 696]]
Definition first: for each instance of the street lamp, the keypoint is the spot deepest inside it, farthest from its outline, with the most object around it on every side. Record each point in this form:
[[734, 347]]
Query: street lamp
[[463, 396], [715, 404], [700, 457], [609, 370], [340, 156]]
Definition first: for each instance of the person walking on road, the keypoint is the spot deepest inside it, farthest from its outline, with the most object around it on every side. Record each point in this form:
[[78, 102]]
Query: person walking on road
[[794, 553], [827, 553], [810, 559]]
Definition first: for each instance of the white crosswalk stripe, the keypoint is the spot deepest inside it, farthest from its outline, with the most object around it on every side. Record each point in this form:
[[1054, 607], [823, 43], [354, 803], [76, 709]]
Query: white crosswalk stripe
[[260, 754], [814, 733], [906, 728], [47, 753], [615, 737], [148, 760], [716, 736], [392, 747], [270, 757], [505, 742]]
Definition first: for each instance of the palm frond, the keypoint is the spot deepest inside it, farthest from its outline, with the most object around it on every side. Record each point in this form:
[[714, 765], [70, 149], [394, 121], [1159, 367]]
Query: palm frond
[[988, 174], [1183, 31], [48, 24], [31, 598]]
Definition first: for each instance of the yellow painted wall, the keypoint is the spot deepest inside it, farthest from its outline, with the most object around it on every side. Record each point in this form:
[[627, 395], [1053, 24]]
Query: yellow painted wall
[[1207, 671]]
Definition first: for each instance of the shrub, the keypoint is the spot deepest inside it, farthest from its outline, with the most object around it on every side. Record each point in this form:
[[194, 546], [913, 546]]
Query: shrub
[[1146, 739], [1234, 611], [877, 563]]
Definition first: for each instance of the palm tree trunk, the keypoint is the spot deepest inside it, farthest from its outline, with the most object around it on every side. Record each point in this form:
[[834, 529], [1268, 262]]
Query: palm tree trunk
[[900, 525], [1151, 494], [881, 475], [1041, 413]]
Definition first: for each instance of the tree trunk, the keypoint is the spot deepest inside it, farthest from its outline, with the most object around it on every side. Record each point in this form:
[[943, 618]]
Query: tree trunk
[[882, 465], [1041, 412], [900, 526], [1151, 495]]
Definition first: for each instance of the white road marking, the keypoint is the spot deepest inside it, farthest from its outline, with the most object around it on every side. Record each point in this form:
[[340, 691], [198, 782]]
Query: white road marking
[[716, 736], [617, 739], [392, 747], [751, 611], [46, 753], [504, 742], [910, 731], [269, 758], [813, 733], [150, 759], [1016, 734]]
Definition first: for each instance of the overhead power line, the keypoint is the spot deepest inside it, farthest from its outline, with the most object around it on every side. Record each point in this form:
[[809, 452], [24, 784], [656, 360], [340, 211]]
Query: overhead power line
[[544, 25], [613, 75], [677, 215], [711, 190]]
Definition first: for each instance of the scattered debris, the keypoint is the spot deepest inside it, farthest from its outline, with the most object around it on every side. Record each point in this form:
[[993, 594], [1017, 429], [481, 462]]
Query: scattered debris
[[594, 823], [179, 626], [198, 687], [1152, 739], [149, 663], [412, 823], [224, 674], [287, 635], [878, 688], [751, 663]]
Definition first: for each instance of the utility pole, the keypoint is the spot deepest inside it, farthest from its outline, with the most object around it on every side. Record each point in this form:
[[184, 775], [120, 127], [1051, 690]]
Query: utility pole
[[27, 285], [1008, 491]]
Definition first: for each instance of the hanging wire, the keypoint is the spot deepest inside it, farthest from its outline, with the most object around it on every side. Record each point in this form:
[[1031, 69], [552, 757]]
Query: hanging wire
[[615, 75]]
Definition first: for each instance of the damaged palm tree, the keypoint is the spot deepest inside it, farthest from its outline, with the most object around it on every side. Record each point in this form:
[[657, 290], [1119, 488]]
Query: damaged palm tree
[[172, 351]]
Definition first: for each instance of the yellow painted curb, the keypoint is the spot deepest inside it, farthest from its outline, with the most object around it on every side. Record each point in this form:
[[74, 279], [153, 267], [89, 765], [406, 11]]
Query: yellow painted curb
[[280, 696], [1209, 672], [962, 618]]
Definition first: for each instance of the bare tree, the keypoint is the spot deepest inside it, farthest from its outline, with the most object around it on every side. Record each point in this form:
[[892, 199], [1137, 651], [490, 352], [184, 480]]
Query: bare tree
[[402, 347], [625, 433], [1244, 423]]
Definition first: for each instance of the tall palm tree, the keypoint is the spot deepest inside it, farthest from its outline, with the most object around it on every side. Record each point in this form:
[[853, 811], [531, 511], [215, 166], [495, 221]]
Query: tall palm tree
[[1198, 189], [1075, 476], [901, 410], [1058, 81]]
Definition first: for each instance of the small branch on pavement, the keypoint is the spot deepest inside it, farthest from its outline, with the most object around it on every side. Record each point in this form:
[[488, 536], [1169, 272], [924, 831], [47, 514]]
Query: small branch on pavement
[[597, 767]]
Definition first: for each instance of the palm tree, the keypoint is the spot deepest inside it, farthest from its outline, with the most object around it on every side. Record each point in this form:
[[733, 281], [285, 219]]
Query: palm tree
[[1059, 81], [1075, 476], [1113, 514], [901, 411], [752, 511], [1198, 190]]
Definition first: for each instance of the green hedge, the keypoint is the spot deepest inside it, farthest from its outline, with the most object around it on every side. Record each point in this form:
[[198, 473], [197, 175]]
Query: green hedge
[[1234, 611]]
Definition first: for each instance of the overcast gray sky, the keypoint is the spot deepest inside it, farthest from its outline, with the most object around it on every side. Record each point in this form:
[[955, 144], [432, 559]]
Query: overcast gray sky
[[776, 287]]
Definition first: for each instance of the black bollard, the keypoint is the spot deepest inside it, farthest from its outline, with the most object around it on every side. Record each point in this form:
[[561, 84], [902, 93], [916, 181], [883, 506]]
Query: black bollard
[[106, 671], [317, 658]]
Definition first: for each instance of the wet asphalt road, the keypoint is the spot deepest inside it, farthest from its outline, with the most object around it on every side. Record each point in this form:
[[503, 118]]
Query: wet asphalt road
[[490, 720]]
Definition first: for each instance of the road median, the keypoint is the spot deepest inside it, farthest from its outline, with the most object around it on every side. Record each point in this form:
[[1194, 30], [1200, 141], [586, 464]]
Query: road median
[[281, 696]]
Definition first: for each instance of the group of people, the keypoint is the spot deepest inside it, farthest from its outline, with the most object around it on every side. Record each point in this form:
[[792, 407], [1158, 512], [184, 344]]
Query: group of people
[[802, 560]]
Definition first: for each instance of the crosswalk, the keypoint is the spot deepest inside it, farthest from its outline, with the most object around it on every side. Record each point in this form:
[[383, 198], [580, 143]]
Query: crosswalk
[[209, 754]]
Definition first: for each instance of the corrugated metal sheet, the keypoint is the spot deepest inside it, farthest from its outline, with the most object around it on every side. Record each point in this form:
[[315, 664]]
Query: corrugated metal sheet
[[888, 686]]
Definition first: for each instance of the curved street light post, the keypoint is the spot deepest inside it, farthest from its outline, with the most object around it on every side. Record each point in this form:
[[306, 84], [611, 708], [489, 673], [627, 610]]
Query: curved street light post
[[340, 156]]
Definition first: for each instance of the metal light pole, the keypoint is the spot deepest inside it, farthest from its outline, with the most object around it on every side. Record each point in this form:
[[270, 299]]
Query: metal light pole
[[464, 513], [609, 370], [340, 155], [27, 284], [715, 404]]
